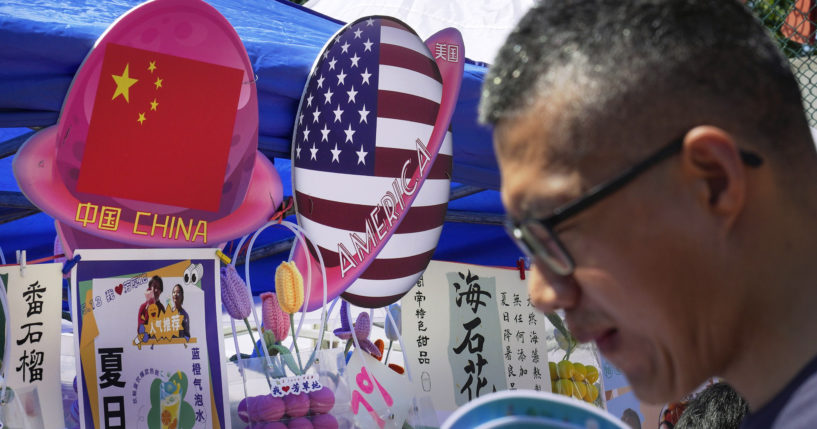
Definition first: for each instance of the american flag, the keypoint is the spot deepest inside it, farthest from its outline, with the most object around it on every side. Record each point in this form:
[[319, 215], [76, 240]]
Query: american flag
[[373, 93]]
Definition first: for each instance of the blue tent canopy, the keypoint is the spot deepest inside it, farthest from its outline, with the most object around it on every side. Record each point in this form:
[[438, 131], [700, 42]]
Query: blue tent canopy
[[43, 43]]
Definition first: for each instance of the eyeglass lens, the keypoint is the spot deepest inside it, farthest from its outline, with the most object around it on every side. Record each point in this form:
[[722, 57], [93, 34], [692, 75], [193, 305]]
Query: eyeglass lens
[[542, 243]]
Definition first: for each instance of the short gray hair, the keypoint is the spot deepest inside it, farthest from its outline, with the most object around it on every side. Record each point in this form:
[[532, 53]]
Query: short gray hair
[[663, 65]]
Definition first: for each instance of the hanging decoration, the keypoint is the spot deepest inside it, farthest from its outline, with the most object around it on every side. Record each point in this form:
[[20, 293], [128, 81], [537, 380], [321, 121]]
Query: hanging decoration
[[371, 156], [156, 143]]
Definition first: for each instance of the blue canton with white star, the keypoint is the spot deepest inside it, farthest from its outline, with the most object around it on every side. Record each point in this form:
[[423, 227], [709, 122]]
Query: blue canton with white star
[[338, 117]]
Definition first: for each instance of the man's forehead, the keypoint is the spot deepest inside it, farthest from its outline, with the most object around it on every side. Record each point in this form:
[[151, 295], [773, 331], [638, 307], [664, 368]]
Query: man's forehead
[[533, 187], [521, 137], [568, 140], [544, 166], [537, 136]]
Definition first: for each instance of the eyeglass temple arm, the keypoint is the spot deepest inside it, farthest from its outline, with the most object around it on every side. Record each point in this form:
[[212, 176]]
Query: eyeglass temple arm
[[601, 190]]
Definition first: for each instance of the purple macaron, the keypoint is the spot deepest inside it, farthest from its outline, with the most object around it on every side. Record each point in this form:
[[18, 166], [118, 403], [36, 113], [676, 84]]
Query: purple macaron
[[321, 401], [324, 421], [268, 408], [297, 405], [299, 423]]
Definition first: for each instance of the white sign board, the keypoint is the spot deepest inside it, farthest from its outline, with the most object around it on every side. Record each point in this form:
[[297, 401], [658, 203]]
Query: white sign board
[[471, 330], [33, 370]]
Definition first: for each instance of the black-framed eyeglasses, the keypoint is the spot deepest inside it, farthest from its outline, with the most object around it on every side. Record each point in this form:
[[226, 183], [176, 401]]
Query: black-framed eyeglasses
[[536, 237]]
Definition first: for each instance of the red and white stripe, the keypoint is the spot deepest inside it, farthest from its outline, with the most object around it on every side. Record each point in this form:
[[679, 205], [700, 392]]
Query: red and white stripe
[[409, 93]]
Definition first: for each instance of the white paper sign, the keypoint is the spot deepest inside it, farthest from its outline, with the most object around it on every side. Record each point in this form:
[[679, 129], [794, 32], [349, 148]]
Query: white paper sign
[[472, 330], [34, 297], [380, 397], [148, 339]]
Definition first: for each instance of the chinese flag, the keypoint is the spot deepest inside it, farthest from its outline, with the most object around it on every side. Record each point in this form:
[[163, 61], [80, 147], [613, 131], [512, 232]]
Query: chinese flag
[[160, 129]]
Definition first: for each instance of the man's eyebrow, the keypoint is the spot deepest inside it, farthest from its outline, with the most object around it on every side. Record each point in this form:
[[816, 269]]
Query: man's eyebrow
[[537, 208]]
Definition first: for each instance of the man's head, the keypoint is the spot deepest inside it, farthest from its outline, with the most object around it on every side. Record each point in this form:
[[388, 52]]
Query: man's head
[[156, 285], [665, 270], [716, 407], [594, 70]]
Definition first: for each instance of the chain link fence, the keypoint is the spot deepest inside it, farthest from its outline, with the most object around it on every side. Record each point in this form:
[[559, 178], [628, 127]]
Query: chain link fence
[[794, 23]]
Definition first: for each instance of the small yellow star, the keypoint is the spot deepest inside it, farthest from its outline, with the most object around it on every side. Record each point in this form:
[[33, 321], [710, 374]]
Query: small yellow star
[[158, 82], [152, 66], [153, 104], [141, 118], [123, 84]]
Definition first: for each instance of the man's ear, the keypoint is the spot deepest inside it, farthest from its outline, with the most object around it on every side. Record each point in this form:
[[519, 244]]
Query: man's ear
[[711, 159]]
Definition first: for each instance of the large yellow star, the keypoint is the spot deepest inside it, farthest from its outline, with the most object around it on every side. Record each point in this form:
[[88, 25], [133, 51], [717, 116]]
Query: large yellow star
[[123, 84]]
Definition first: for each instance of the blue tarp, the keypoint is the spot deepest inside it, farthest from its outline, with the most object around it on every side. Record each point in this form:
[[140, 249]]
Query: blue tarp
[[43, 43]]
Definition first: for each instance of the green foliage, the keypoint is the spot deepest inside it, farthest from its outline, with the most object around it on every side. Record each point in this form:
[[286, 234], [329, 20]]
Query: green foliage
[[288, 359]]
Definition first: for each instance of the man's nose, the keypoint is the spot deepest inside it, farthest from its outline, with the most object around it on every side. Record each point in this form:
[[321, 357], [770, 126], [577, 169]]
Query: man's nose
[[549, 291]]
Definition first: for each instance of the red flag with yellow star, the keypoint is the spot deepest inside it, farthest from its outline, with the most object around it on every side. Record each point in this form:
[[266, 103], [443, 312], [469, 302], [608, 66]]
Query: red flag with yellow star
[[160, 129]]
